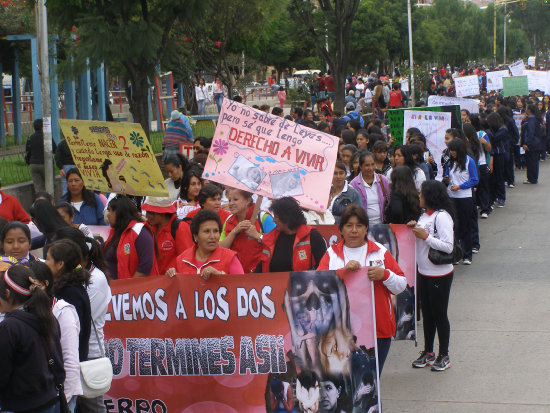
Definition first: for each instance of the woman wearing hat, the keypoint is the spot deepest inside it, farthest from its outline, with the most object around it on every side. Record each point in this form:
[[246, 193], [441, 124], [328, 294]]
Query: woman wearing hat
[[206, 257], [171, 236], [130, 249]]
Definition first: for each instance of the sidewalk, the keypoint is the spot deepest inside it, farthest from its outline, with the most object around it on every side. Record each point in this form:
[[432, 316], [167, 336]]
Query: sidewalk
[[499, 313]]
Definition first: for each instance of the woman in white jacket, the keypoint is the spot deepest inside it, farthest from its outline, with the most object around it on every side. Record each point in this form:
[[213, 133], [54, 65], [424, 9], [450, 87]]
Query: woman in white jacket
[[201, 95], [434, 229]]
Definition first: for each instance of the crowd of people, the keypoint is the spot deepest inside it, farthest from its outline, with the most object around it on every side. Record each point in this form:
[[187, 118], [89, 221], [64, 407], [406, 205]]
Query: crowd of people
[[205, 229]]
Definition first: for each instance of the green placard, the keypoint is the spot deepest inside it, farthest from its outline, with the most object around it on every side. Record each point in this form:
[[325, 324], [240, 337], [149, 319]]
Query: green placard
[[515, 86], [395, 119]]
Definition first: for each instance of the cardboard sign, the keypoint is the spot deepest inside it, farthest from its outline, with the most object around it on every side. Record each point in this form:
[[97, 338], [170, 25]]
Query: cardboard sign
[[494, 80], [471, 105], [186, 149], [433, 126], [538, 80], [114, 157], [515, 86], [517, 68], [467, 86], [531, 61], [271, 156], [239, 343]]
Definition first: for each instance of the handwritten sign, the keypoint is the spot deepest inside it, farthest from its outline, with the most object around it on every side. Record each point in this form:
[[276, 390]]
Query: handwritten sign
[[537, 80], [471, 105], [517, 68], [467, 86], [494, 80], [433, 127], [271, 156], [531, 61], [114, 157], [515, 86]]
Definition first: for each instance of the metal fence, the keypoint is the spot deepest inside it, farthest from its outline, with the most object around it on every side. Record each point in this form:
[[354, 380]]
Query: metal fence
[[13, 169]]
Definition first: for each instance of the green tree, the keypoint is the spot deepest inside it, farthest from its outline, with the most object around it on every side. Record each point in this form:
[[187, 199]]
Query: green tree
[[130, 33]]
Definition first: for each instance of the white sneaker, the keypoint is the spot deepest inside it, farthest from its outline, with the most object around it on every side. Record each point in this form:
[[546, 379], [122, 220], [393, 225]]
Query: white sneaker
[[484, 215], [466, 261]]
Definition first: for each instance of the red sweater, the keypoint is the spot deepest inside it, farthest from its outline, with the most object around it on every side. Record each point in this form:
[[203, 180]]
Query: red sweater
[[11, 209]]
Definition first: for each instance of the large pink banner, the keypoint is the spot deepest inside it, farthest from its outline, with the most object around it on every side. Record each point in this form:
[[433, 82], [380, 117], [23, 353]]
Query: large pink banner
[[271, 156]]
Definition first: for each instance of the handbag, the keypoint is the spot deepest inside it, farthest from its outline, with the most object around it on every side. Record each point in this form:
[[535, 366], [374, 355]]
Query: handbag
[[438, 257], [96, 375]]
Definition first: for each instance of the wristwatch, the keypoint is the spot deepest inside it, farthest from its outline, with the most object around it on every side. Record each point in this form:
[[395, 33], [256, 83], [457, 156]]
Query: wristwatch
[[261, 238]]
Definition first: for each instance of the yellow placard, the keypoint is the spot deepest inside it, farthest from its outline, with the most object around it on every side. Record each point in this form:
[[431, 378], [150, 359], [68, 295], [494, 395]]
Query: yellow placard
[[114, 157]]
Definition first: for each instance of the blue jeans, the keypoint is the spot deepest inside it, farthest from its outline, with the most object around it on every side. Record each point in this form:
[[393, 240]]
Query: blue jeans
[[218, 98], [66, 168], [201, 104], [53, 409], [383, 350]]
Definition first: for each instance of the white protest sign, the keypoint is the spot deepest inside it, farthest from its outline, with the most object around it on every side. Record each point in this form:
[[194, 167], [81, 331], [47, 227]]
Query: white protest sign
[[47, 124], [467, 86], [271, 156], [531, 61], [471, 105], [537, 80], [494, 80], [517, 68], [433, 126]]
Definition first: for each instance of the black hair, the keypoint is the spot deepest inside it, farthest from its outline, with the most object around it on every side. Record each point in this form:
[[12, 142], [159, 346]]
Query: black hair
[[505, 113], [38, 124], [364, 155], [276, 111], [374, 129], [475, 121], [68, 252], [322, 126], [417, 150], [471, 136], [402, 181], [348, 136], [125, 212], [3, 223], [202, 216], [455, 133], [205, 142], [177, 160], [289, 117], [354, 124], [104, 167], [46, 218], [37, 303], [458, 146], [467, 113], [14, 225], [535, 111], [353, 210], [299, 111], [66, 207], [208, 191], [407, 153], [340, 165], [436, 197], [194, 171], [288, 211], [413, 131], [379, 146], [494, 121], [43, 195], [87, 196], [89, 247], [349, 147], [237, 98]]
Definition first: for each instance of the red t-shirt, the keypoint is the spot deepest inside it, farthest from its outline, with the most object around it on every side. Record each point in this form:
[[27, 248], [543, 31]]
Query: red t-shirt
[[329, 83], [395, 98]]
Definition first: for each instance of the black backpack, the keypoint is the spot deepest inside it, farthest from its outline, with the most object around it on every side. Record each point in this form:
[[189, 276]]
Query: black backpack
[[176, 224]]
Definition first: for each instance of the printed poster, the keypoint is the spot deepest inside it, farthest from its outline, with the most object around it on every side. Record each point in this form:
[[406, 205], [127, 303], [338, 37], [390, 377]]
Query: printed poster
[[433, 126], [517, 68], [494, 80], [241, 343], [271, 156], [538, 80], [114, 157], [400, 241], [471, 105], [467, 86]]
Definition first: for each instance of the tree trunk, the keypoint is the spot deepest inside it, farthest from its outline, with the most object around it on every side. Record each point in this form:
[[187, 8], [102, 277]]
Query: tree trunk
[[138, 104], [339, 90]]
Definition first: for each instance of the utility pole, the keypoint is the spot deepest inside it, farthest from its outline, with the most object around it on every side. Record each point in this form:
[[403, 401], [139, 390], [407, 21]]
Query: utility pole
[[505, 18], [44, 69], [411, 60], [495, 33]]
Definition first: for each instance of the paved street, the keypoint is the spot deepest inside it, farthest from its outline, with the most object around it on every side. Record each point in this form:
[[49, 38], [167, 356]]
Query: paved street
[[499, 313]]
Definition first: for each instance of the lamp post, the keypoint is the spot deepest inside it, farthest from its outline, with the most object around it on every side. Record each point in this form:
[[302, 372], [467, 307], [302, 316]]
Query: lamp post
[[411, 60]]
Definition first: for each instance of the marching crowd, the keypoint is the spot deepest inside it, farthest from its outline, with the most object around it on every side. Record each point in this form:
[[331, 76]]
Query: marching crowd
[[205, 229]]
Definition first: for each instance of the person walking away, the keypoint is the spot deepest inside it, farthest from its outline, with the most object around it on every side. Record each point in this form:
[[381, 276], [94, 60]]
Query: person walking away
[[531, 141], [177, 134], [34, 156]]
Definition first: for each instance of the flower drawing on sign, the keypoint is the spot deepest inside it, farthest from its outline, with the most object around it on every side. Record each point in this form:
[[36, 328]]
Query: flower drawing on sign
[[136, 139], [220, 147]]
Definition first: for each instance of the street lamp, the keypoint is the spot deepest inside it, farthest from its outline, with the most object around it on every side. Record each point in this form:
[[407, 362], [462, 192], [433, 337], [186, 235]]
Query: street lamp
[[411, 60]]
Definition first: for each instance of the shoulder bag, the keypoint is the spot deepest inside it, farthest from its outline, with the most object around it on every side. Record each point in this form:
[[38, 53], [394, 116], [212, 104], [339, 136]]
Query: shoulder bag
[[438, 257], [96, 375]]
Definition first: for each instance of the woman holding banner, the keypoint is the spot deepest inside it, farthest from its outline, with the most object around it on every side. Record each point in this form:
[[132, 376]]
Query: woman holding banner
[[206, 257], [356, 251]]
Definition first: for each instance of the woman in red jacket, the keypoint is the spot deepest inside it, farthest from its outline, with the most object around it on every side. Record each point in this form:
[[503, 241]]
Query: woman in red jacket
[[356, 251], [171, 235], [130, 249], [206, 257]]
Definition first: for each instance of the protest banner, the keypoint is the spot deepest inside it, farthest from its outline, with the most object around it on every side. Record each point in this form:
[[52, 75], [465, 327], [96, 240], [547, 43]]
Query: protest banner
[[494, 80], [242, 343], [538, 80], [396, 119], [433, 126], [531, 61], [515, 86], [400, 241], [271, 156], [467, 86], [114, 157], [471, 105], [517, 68]]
